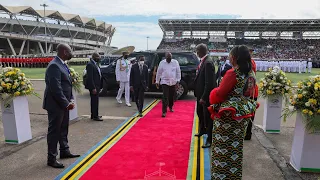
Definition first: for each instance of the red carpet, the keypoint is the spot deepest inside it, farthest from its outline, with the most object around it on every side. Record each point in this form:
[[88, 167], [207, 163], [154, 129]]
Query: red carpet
[[152, 141]]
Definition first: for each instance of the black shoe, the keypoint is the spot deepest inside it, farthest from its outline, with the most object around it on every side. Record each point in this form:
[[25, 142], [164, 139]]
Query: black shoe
[[68, 155], [98, 118], [163, 114], [171, 110], [199, 134], [140, 115], [207, 145], [55, 164]]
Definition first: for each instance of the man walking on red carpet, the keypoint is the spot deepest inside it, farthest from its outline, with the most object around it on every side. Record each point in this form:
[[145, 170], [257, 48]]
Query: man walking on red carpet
[[169, 76]]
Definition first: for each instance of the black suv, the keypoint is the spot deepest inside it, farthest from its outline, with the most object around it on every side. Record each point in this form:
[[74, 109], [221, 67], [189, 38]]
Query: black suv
[[188, 62]]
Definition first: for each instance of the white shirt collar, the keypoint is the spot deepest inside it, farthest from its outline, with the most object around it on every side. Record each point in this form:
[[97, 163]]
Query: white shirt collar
[[61, 60], [94, 61], [203, 57]]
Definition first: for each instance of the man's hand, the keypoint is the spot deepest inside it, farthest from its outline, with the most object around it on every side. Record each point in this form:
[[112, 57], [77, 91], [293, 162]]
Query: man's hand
[[94, 91], [202, 102], [131, 88], [70, 106], [157, 85]]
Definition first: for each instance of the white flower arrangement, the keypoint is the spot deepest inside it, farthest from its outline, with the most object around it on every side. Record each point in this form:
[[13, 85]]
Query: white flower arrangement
[[274, 83]]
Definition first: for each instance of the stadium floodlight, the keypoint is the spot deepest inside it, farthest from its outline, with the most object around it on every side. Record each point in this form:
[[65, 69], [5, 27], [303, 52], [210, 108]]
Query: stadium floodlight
[[45, 25]]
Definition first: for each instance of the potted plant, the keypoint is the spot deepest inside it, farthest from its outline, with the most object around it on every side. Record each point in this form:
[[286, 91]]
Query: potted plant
[[305, 153], [14, 89], [76, 88], [273, 88]]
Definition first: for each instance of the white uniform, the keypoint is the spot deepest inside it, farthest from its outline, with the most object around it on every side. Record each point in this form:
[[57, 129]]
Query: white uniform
[[309, 66], [300, 66], [123, 69]]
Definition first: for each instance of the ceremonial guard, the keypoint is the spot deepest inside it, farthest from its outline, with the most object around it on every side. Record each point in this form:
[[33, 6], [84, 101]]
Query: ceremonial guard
[[123, 69]]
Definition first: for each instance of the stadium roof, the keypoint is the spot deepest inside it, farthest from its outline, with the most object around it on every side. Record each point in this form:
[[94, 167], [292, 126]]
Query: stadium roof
[[261, 25], [71, 18]]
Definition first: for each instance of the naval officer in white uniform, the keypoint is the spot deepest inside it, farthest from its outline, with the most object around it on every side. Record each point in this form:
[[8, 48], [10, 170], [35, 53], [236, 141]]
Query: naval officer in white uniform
[[123, 69]]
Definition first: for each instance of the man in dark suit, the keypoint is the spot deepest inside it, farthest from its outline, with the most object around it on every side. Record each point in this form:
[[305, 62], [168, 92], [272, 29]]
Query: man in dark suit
[[205, 81], [93, 84], [58, 100], [133, 61], [223, 68], [139, 82]]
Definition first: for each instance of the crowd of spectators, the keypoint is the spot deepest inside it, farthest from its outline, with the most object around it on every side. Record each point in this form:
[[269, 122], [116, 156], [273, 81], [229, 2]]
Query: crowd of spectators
[[180, 44], [264, 48]]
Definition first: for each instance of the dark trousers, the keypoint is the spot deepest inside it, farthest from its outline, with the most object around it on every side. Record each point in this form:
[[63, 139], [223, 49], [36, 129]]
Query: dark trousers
[[249, 128], [168, 97], [205, 121], [57, 132], [94, 104], [139, 97]]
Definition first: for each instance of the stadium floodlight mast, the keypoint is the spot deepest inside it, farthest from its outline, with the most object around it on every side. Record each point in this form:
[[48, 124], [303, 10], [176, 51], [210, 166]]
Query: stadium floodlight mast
[[45, 25], [147, 43]]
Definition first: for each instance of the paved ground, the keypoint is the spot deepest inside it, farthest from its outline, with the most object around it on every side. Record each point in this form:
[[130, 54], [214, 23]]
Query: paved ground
[[28, 161]]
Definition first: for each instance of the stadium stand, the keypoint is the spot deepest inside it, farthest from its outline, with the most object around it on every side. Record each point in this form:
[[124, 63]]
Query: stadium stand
[[26, 31], [270, 39]]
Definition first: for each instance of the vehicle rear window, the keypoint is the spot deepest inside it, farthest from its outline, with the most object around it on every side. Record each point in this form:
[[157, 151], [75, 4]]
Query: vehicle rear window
[[185, 59]]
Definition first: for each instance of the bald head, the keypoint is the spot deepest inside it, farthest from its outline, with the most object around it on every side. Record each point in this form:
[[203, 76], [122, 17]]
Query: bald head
[[96, 57], [168, 57], [202, 50], [64, 51]]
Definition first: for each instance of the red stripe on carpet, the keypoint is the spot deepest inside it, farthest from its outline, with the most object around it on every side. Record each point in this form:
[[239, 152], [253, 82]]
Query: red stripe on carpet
[[152, 141]]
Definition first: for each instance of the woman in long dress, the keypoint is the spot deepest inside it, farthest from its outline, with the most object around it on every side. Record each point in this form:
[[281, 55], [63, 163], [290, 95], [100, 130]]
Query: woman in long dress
[[231, 110]]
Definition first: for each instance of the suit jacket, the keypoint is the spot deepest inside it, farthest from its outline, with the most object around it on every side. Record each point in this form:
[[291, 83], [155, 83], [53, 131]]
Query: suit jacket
[[220, 73], [93, 80], [205, 80], [138, 79], [58, 92]]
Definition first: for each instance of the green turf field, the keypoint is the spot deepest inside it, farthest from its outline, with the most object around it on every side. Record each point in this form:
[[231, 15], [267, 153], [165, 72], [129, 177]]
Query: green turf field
[[38, 73], [294, 77]]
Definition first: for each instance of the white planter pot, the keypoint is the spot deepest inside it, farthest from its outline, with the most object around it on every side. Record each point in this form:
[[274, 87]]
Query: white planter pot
[[16, 121], [305, 152], [272, 114], [73, 114]]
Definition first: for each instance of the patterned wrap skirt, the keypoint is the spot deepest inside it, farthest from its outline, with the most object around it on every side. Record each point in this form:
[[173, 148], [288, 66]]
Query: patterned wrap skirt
[[227, 147]]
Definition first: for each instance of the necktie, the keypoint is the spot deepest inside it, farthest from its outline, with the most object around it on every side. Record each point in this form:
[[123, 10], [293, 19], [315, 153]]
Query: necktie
[[140, 67]]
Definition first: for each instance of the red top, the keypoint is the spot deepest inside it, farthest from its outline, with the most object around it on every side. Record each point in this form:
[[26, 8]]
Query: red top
[[254, 68], [229, 81], [220, 94]]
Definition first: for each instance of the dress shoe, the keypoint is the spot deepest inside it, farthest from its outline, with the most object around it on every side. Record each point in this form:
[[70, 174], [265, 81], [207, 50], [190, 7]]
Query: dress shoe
[[199, 134], [68, 155], [163, 114], [97, 119], [207, 145], [55, 164], [171, 110]]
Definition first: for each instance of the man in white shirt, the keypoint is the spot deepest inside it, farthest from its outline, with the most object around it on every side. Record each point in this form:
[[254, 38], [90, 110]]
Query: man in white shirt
[[168, 75], [123, 69], [309, 66]]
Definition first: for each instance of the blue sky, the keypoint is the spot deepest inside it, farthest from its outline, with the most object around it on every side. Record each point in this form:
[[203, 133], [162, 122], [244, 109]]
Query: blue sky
[[136, 19]]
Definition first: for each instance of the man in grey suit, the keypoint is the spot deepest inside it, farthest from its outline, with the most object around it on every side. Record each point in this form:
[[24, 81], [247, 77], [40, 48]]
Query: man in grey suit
[[58, 100]]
